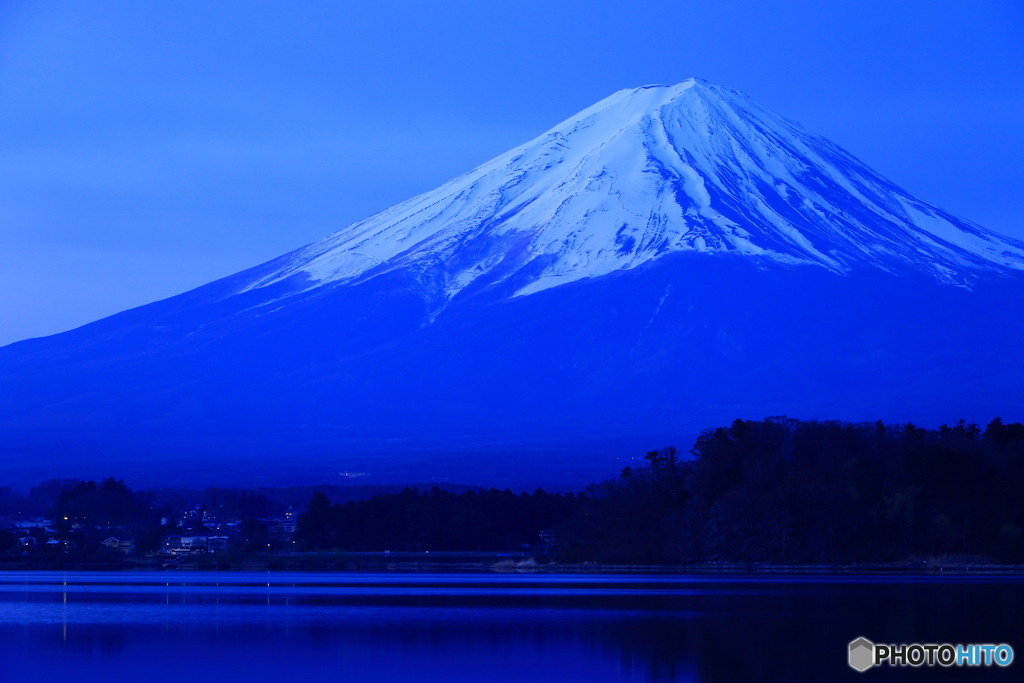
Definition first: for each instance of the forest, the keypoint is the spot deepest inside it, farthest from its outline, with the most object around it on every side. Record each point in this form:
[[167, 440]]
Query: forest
[[437, 520], [777, 491], [783, 490]]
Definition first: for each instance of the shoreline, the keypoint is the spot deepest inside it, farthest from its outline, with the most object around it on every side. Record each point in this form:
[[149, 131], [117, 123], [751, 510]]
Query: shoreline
[[353, 564]]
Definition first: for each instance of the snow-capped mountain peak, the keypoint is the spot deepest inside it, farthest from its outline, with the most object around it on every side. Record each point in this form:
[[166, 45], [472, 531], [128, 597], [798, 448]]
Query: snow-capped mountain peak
[[643, 173]]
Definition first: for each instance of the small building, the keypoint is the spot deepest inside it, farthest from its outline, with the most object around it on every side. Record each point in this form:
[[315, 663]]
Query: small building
[[195, 544], [217, 544], [280, 528], [184, 545], [57, 544], [123, 545]]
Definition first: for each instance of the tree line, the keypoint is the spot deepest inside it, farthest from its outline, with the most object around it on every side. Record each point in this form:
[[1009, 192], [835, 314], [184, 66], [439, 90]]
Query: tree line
[[783, 490], [438, 520], [778, 490]]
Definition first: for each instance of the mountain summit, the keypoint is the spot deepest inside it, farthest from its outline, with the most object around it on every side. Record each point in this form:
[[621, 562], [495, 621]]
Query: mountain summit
[[644, 173], [668, 259]]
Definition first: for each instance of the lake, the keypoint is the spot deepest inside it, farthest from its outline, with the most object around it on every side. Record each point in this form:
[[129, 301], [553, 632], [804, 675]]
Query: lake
[[291, 626]]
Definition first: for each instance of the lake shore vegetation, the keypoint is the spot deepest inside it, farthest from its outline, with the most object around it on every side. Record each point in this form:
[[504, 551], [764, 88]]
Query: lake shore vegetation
[[775, 494]]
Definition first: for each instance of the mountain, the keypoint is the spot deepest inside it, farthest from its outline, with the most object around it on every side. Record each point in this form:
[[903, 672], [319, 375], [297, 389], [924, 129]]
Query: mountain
[[643, 173], [666, 260]]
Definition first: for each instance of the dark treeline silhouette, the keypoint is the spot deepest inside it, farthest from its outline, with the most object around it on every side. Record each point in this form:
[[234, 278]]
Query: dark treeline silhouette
[[84, 513], [41, 500], [784, 490], [778, 490], [435, 520], [109, 503], [270, 501]]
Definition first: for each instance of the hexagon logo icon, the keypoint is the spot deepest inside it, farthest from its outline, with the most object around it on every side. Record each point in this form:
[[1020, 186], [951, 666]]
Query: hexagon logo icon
[[862, 654]]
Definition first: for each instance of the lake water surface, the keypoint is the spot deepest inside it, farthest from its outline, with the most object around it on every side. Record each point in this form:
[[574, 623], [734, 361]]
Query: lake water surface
[[285, 626]]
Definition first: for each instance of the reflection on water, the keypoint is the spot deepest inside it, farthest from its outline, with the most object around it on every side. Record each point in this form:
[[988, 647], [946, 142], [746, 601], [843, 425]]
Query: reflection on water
[[254, 626]]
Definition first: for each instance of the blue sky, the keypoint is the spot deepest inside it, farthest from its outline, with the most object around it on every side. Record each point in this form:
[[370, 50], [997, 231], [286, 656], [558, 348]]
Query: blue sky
[[148, 148]]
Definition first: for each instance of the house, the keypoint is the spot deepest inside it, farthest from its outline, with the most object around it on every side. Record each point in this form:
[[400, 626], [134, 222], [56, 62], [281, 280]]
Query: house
[[124, 545], [57, 544], [281, 528], [184, 545], [217, 544]]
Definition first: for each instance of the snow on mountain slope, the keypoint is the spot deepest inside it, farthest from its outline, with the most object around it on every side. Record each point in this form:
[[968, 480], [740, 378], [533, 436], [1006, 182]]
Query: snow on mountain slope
[[646, 172]]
